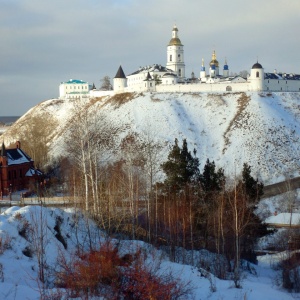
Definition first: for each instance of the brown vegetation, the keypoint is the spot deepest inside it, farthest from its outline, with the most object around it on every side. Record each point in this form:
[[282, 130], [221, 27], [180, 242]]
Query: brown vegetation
[[104, 273], [118, 99]]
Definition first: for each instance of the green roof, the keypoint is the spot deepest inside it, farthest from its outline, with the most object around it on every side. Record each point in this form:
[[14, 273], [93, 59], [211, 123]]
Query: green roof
[[76, 81]]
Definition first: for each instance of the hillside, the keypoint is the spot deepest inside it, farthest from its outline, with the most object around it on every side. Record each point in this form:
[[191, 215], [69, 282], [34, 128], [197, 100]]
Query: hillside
[[262, 129]]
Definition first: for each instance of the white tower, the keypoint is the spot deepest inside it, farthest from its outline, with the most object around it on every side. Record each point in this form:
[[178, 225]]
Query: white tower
[[202, 71], [175, 58], [257, 77], [120, 81], [225, 69]]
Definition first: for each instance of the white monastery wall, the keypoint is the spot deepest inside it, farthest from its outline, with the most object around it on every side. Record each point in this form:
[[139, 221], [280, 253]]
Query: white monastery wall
[[282, 85], [96, 93], [204, 87]]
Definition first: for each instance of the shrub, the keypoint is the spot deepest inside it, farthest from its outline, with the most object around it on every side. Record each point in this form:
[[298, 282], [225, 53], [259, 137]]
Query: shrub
[[18, 216], [104, 273], [24, 229], [291, 273], [1, 273], [5, 243]]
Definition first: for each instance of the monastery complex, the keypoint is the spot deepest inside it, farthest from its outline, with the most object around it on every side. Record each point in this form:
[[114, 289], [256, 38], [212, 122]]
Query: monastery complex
[[172, 78]]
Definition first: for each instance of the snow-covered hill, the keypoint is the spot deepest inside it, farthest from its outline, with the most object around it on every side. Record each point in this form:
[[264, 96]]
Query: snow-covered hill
[[262, 129]]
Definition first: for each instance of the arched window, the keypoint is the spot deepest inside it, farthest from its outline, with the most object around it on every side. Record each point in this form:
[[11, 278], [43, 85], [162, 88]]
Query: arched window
[[171, 57], [179, 72], [228, 88], [257, 74]]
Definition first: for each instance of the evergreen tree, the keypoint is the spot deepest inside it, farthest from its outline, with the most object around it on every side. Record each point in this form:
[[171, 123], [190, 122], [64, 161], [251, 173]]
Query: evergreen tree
[[212, 180], [253, 189], [181, 167]]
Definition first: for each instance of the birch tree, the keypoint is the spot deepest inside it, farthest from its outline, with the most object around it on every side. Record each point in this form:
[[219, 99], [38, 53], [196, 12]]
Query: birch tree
[[90, 139]]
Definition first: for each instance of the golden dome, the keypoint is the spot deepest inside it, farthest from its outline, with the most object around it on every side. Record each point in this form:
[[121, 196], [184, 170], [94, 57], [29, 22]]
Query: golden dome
[[175, 42], [214, 60]]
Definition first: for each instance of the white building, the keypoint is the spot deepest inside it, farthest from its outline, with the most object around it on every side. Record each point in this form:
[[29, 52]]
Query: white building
[[175, 55], [171, 78], [74, 89]]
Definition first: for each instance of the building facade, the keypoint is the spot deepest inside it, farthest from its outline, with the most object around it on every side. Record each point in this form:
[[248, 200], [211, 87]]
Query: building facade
[[74, 89], [16, 170]]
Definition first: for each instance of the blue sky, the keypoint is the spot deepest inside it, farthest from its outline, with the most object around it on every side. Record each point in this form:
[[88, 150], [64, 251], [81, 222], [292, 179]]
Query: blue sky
[[46, 42]]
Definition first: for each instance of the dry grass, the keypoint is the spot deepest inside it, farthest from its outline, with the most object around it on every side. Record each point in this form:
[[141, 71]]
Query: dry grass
[[240, 118], [119, 99]]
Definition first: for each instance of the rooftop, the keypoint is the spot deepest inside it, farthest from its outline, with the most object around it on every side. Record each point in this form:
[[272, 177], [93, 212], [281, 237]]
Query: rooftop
[[152, 68], [75, 81]]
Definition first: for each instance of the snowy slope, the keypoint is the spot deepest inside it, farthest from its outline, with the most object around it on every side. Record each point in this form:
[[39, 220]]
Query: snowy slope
[[262, 129], [19, 272]]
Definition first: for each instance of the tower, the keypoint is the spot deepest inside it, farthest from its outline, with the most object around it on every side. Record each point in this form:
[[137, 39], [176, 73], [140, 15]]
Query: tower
[[120, 81], [257, 77], [202, 71], [175, 58], [225, 69], [214, 65]]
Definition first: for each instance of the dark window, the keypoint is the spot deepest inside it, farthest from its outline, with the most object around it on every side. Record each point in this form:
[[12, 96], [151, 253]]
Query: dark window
[[171, 57], [228, 88], [257, 74], [9, 175], [179, 72], [15, 174], [20, 173]]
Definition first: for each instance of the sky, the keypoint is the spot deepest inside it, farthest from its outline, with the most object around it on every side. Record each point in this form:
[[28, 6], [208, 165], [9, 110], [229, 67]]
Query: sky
[[44, 43]]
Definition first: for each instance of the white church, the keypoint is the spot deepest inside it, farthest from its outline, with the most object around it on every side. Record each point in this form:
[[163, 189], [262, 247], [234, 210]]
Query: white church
[[171, 78]]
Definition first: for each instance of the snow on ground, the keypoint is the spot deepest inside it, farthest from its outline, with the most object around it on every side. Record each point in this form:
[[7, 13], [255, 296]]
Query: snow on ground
[[284, 219], [281, 203], [262, 129], [20, 266]]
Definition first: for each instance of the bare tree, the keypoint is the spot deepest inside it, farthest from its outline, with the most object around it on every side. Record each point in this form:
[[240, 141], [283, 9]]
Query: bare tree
[[90, 137], [244, 74], [133, 165], [35, 137], [105, 83]]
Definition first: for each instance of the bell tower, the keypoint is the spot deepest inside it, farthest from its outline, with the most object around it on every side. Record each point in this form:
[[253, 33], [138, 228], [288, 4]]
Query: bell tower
[[175, 55]]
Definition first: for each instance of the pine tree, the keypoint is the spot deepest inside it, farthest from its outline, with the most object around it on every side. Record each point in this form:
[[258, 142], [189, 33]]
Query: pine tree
[[181, 167], [212, 180], [253, 189]]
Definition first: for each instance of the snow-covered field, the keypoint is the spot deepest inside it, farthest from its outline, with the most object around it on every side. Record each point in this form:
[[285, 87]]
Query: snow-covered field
[[19, 271]]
